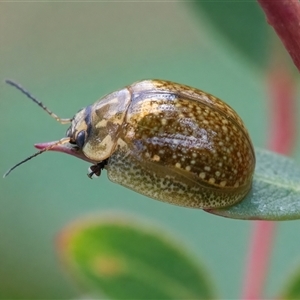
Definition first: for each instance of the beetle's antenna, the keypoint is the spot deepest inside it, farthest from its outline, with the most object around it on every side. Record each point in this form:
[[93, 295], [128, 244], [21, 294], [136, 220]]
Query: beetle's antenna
[[39, 103], [60, 142]]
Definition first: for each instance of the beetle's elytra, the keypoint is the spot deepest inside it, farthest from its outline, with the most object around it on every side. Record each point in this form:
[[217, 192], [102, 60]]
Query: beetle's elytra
[[168, 141]]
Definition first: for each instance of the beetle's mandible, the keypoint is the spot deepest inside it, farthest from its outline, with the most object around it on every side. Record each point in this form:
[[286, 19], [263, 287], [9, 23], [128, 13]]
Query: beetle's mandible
[[165, 140]]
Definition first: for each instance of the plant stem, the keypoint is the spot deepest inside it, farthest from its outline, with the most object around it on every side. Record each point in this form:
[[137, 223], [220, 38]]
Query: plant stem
[[284, 17], [282, 103], [263, 233], [282, 138]]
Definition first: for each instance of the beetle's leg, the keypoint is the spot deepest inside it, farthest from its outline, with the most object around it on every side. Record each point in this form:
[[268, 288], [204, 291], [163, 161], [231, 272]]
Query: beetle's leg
[[96, 169]]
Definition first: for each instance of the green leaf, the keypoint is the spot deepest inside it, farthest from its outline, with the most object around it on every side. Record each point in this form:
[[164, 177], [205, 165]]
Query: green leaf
[[292, 289], [241, 23], [122, 260], [275, 193]]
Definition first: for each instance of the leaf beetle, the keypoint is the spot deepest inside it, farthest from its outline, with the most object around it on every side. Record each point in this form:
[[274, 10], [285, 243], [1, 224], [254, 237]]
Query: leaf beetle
[[165, 140]]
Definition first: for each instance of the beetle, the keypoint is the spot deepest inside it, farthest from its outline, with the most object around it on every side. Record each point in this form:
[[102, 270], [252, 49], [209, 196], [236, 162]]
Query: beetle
[[165, 140]]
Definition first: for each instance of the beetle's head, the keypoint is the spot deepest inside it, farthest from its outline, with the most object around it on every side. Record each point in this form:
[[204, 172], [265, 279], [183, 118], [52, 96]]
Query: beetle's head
[[78, 130], [76, 136], [94, 130]]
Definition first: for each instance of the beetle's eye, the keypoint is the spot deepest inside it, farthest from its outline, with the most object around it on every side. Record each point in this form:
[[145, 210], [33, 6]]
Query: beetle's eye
[[80, 139]]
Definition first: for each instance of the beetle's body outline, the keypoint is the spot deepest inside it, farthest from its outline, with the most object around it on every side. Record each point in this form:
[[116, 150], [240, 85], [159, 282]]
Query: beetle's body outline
[[168, 141]]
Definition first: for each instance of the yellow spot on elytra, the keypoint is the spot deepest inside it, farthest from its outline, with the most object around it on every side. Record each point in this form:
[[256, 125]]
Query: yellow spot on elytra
[[224, 121], [211, 180], [225, 128], [178, 165], [188, 168], [207, 168], [223, 183], [202, 175], [156, 158]]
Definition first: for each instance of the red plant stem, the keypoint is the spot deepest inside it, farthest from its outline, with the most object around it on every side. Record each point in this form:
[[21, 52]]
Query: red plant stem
[[282, 138], [261, 242], [284, 17], [282, 93]]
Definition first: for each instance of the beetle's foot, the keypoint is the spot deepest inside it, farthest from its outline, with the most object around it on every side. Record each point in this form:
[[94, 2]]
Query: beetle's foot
[[95, 170]]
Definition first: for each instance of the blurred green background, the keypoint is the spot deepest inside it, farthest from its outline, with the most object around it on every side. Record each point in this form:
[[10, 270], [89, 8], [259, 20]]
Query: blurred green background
[[69, 55]]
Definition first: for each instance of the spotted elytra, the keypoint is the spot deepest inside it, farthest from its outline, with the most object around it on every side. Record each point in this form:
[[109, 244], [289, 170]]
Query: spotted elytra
[[165, 140]]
